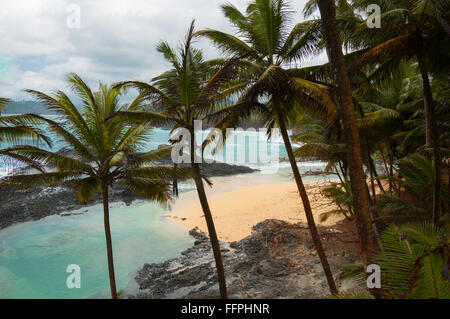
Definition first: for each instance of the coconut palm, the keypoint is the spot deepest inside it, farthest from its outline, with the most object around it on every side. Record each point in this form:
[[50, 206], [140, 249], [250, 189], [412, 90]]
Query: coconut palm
[[393, 112], [409, 27], [266, 85], [347, 108], [186, 93], [95, 154]]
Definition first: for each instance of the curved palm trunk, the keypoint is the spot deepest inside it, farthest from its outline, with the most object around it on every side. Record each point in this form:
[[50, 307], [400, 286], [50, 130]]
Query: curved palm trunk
[[209, 221], [112, 279], [432, 135], [307, 207], [357, 178]]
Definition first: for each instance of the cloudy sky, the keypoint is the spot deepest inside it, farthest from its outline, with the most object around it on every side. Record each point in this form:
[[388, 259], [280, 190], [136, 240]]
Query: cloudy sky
[[40, 41]]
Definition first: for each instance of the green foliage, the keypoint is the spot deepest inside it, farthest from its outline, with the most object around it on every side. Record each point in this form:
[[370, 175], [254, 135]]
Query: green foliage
[[412, 258], [3, 104], [269, 44], [320, 142], [355, 271], [412, 261], [341, 195], [351, 294], [393, 110], [96, 153], [193, 89], [416, 183], [397, 39], [20, 128]]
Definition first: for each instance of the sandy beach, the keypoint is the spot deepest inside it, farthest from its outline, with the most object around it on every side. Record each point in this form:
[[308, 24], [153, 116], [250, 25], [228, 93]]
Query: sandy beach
[[239, 203]]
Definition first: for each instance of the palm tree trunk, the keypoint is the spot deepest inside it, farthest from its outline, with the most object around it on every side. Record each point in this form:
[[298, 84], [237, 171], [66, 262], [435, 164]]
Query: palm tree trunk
[[391, 165], [357, 178], [373, 214], [112, 279], [337, 173], [386, 170], [209, 221], [374, 169], [175, 180], [371, 164], [372, 177], [432, 135], [343, 171], [307, 206]]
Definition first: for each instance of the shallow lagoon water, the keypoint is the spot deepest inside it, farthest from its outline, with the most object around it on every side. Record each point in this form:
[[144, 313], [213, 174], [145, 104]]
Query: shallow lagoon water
[[34, 255]]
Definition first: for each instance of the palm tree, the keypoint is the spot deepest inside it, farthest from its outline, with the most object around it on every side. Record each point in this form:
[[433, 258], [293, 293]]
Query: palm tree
[[409, 27], [187, 93], [96, 153], [347, 108], [393, 111], [266, 87], [322, 142]]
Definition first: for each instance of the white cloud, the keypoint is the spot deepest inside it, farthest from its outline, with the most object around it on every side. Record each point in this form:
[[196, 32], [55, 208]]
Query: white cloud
[[116, 41]]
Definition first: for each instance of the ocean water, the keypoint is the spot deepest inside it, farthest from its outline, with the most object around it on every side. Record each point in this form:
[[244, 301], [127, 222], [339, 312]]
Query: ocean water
[[34, 255], [241, 148]]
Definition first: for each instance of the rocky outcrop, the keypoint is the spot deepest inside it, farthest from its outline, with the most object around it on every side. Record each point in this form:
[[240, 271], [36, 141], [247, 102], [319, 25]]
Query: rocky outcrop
[[39, 202], [277, 260], [35, 203]]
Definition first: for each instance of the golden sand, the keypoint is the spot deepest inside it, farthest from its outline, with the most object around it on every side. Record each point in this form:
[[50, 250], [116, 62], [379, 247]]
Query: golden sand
[[236, 209]]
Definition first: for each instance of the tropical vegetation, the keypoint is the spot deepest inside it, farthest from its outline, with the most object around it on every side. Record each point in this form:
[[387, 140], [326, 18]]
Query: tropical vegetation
[[94, 154], [377, 113]]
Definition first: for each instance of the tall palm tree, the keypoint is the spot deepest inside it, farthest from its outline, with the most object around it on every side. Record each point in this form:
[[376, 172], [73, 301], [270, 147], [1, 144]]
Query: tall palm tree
[[266, 85], [409, 27], [187, 93], [95, 154], [347, 108]]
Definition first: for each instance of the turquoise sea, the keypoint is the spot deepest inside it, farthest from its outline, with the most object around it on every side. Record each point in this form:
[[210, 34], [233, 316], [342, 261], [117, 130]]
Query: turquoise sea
[[34, 255]]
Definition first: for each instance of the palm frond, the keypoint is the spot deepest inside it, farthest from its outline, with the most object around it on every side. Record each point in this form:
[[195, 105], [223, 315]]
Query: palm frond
[[33, 180]]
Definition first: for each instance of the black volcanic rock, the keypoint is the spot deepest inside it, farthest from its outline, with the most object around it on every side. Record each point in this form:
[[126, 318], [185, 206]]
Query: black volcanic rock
[[36, 203], [273, 262]]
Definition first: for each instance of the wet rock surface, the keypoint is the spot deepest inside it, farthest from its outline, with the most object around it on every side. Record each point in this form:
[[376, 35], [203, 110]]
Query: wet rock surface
[[275, 261], [39, 202]]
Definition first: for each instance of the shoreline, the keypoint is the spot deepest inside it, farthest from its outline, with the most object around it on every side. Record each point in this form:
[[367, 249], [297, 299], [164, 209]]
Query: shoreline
[[179, 277], [236, 209], [265, 257], [278, 260], [39, 202]]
